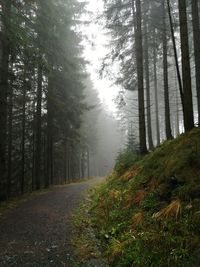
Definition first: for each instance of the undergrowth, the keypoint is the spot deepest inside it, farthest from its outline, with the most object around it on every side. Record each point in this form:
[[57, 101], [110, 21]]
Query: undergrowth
[[149, 214], [85, 244]]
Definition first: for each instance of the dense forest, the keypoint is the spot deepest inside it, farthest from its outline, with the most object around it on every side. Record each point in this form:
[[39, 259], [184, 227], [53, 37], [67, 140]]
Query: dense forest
[[155, 45], [42, 82], [43, 114], [56, 129], [146, 212]]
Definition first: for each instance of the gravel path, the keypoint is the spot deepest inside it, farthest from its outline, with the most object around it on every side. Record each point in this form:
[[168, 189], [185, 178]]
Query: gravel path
[[37, 233]]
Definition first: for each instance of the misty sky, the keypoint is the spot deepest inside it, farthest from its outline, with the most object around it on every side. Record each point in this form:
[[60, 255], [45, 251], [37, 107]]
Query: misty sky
[[95, 50]]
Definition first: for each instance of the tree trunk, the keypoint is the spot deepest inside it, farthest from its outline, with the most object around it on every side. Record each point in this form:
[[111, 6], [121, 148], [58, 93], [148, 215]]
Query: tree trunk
[[65, 161], [38, 130], [177, 115], [49, 172], [88, 163], [196, 36], [165, 75], [33, 147], [10, 137], [186, 71], [139, 63], [22, 176], [148, 95], [156, 88], [175, 52], [82, 165], [4, 72], [68, 169]]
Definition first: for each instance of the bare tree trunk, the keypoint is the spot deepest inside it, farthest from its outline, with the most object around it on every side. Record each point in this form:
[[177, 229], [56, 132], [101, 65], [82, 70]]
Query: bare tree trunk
[[68, 169], [49, 173], [139, 61], [175, 52], [165, 75], [38, 130], [177, 115], [10, 137], [83, 164], [148, 95], [88, 162], [196, 36], [6, 8], [186, 71], [22, 176], [33, 148], [156, 88], [65, 161]]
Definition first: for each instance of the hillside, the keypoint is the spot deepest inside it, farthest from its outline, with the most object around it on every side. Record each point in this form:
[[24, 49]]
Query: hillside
[[149, 214]]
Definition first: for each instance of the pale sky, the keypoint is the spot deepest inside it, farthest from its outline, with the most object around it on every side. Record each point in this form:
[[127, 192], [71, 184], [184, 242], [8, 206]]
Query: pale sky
[[95, 50]]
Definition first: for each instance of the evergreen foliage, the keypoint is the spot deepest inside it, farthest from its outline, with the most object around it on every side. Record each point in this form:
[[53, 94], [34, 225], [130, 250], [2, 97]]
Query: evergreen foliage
[[42, 83]]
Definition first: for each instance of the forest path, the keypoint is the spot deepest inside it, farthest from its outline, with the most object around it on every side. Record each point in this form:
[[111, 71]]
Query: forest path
[[37, 233]]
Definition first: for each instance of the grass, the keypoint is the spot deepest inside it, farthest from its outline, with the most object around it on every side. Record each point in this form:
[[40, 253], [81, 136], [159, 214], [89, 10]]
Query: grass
[[84, 242], [149, 214]]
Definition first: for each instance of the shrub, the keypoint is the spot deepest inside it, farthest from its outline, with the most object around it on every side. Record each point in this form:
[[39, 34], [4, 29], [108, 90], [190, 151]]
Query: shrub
[[124, 161]]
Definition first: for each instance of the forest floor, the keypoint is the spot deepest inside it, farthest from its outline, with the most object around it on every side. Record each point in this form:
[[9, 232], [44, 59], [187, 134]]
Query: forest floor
[[38, 231]]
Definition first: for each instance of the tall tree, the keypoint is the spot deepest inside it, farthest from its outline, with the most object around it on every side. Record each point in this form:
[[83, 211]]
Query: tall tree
[[186, 71], [156, 88], [175, 51], [4, 73], [196, 36], [147, 78], [165, 74], [38, 130], [140, 81]]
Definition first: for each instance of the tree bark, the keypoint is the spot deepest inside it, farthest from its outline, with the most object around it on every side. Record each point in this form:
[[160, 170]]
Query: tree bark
[[88, 162], [22, 176], [65, 161], [196, 36], [156, 88], [10, 136], [4, 73], [148, 94], [140, 74], [38, 130], [49, 172], [165, 75], [175, 52], [186, 71]]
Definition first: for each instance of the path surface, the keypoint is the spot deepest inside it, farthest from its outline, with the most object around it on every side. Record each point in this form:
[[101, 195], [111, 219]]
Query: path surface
[[37, 233]]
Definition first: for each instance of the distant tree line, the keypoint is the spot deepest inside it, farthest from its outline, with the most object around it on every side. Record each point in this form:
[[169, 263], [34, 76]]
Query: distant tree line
[[156, 44], [41, 95]]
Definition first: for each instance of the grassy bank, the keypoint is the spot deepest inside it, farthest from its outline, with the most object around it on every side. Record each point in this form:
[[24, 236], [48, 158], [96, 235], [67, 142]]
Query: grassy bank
[[149, 214]]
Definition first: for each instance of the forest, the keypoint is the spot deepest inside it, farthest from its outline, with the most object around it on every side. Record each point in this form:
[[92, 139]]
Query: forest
[[55, 128]]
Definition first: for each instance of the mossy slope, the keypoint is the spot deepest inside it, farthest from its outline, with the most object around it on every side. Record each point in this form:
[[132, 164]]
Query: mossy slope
[[150, 214]]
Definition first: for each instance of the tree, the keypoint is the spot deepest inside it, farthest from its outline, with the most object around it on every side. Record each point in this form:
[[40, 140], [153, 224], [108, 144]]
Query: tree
[[42, 73], [139, 62], [196, 36], [148, 93], [4, 72], [186, 71], [165, 74]]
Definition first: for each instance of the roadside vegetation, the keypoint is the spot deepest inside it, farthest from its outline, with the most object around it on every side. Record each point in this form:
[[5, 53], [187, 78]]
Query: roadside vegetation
[[147, 213]]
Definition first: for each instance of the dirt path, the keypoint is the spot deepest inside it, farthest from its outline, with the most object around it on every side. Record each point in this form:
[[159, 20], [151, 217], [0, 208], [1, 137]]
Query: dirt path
[[37, 233]]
